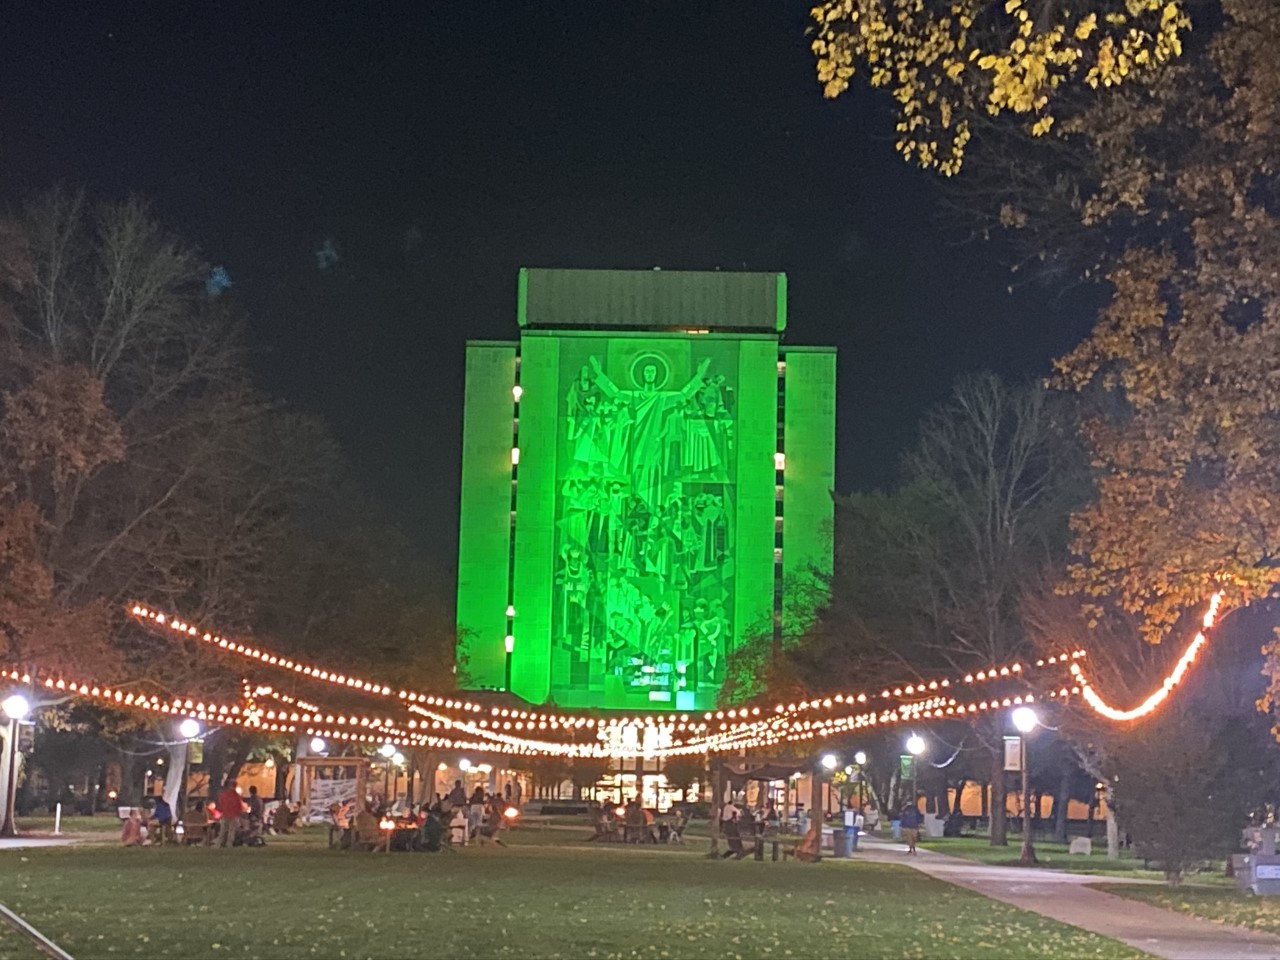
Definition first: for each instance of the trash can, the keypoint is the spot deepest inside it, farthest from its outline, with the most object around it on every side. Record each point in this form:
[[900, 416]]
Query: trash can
[[841, 844]]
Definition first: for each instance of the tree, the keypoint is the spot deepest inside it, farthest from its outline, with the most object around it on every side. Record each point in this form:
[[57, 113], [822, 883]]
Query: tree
[[928, 578], [586, 772], [947, 63], [683, 772]]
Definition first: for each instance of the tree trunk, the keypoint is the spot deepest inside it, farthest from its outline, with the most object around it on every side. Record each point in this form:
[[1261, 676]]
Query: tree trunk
[[999, 826], [1113, 830], [1061, 801], [956, 808], [986, 800]]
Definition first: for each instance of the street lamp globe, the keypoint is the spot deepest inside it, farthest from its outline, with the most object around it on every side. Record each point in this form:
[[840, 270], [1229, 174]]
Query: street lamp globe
[[189, 729], [464, 764], [860, 758], [915, 744], [318, 745], [16, 707], [1025, 719], [387, 750], [830, 761], [398, 758]]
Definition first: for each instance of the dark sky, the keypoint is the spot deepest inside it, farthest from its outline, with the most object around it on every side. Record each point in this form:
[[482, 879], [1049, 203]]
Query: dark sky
[[440, 145]]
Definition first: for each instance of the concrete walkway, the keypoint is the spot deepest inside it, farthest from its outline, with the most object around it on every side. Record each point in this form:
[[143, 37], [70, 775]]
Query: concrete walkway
[[1068, 898], [23, 843]]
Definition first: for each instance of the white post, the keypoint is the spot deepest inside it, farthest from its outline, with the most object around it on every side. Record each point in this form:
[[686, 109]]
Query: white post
[[57, 820]]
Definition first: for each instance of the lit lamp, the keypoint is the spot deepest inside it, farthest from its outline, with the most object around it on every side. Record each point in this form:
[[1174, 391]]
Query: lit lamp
[[1025, 720], [386, 751], [318, 745], [509, 643], [16, 709], [188, 730]]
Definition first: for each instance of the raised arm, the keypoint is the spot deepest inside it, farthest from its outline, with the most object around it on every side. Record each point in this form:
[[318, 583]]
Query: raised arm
[[694, 385], [602, 381]]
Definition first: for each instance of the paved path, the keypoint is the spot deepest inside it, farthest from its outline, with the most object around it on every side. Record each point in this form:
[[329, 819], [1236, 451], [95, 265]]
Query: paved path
[[21, 843], [1068, 898]]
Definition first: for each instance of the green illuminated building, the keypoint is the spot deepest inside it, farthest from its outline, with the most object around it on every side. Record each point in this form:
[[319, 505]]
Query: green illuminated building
[[646, 480]]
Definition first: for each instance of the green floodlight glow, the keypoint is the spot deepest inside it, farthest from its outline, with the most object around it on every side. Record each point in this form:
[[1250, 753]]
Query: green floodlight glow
[[638, 531]]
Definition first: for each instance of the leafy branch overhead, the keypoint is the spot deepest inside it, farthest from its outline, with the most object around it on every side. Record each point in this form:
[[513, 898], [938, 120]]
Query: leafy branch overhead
[[944, 62]]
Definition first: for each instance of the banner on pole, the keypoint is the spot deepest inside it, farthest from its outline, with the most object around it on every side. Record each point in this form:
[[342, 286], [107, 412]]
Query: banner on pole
[[907, 767], [1013, 753]]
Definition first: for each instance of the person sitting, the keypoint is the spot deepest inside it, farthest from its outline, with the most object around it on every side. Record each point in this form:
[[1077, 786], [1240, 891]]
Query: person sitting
[[368, 832], [458, 827], [195, 825], [131, 834], [162, 813], [340, 827], [432, 833], [494, 821]]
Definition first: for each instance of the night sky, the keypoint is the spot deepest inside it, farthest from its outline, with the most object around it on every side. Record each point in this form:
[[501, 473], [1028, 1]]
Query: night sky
[[435, 147]]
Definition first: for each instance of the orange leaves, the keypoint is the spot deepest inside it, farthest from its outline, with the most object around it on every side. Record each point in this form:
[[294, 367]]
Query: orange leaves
[[60, 423]]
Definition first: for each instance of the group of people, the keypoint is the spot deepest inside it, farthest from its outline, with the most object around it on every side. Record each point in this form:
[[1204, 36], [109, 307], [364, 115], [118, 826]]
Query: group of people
[[635, 823], [762, 825], [454, 818], [228, 820]]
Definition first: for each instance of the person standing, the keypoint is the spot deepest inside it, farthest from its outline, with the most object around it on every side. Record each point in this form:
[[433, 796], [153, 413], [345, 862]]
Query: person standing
[[911, 819], [457, 796], [232, 809]]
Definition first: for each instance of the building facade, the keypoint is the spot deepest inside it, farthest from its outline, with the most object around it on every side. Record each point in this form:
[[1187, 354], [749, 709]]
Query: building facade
[[646, 480]]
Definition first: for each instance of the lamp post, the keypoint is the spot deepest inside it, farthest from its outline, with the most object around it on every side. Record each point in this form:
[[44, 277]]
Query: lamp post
[[860, 761], [1026, 720], [915, 747], [188, 729], [386, 751], [16, 709], [510, 644]]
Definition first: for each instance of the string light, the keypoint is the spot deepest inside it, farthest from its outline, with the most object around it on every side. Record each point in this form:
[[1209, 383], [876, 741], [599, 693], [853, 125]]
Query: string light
[[1161, 693]]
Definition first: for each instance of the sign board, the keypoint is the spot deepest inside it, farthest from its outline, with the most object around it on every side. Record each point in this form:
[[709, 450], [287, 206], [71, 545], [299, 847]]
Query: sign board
[[1013, 753], [325, 793], [195, 751], [907, 766], [1267, 871]]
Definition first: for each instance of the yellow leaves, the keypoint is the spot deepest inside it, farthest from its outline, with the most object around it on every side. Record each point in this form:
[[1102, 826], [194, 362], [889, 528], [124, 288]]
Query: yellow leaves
[[915, 48]]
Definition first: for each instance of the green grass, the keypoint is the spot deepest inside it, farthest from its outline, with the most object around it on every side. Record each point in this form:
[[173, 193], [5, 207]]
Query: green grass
[[1053, 856], [103, 823], [1220, 903], [561, 898]]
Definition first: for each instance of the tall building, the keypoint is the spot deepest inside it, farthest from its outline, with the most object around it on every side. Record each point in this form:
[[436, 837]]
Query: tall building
[[646, 479]]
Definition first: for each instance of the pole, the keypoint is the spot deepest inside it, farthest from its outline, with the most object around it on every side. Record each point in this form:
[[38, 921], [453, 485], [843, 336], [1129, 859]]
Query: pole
[[1028, 857], [506, 685], [9, 828]]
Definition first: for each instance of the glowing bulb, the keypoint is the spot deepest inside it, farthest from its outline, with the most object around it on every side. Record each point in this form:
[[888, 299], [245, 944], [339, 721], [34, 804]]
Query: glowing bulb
[[515, 456], [1025, 719], [464, 764], [16, 707], [830, 761], [387, 750], [189, 729], [915, 745], [860, 758], [517, 392]]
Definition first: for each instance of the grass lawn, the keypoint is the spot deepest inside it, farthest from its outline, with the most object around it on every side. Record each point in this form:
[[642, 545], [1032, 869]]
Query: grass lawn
[[547, 895], [1053, 856], [1220, 903]]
